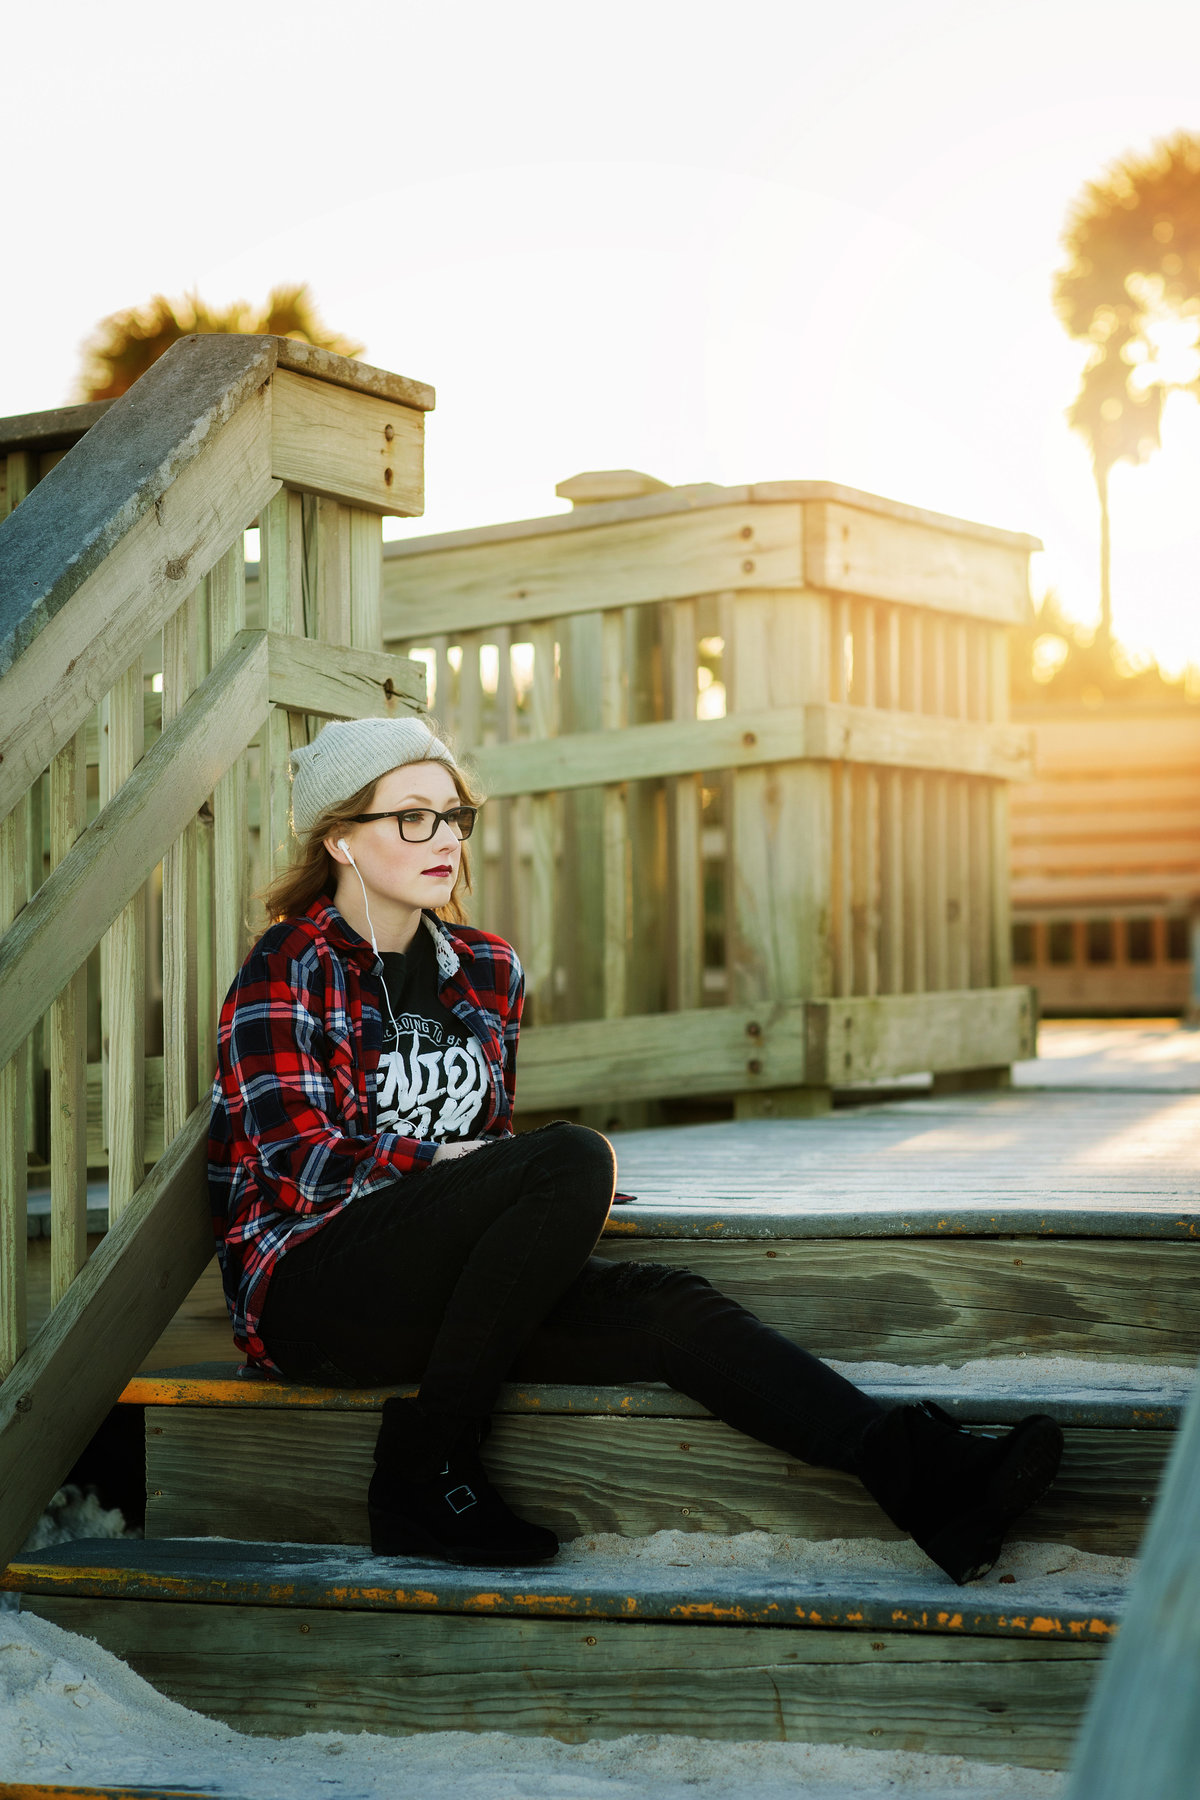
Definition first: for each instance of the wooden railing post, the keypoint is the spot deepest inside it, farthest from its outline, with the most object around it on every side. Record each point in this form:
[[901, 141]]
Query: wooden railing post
[[12, 1119], [125, 969], [68, 1047], [180, 981], [780, 837], [1141, 1734]]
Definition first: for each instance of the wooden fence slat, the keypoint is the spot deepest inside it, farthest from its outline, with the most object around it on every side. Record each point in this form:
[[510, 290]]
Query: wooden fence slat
[[1000, 907], [915, 866], [864, 862], [281, 584], [891, 880], [333, 572], [685, 880], [936, 886], [68, 1047], [227, 590], [366, 579], [206, 976], [125, 970], [980, 896], [503, 893], [538, 947], [582, 815], [614, 713], [37, 1141], [470, 714], [13, 1161], [179, 950]]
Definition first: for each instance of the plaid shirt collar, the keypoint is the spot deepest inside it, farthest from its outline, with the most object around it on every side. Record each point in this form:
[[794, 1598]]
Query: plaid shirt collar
[[450, 949]]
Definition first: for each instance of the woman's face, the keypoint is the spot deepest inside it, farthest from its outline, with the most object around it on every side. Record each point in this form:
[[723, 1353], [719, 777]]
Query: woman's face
[[400, 876]]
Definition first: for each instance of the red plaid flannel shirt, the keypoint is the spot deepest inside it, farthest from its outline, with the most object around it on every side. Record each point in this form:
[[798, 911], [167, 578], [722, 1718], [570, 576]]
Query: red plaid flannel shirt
[[293, 1139]]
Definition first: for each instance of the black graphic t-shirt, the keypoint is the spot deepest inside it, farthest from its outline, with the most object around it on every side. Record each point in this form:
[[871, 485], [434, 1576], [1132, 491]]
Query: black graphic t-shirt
[[432, 1080]]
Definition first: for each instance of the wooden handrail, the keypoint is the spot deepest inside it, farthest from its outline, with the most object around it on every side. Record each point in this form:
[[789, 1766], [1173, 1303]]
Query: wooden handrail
[[103, 551], [74, 908], [53, 1399], [131, 546], [1141, 1734]]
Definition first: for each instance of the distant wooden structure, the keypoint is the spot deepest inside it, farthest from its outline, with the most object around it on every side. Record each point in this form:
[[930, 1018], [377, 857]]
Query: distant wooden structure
[[748, 752], [1106, 862]]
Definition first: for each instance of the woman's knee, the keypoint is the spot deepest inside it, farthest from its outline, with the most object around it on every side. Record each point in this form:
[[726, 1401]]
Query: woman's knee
[[585, 1157]]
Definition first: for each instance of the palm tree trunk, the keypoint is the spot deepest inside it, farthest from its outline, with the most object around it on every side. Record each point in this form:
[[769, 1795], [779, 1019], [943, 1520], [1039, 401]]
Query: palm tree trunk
[[1101, 474]]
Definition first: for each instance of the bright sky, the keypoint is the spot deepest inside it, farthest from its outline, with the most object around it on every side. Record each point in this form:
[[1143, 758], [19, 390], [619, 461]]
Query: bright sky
[[716, 242]]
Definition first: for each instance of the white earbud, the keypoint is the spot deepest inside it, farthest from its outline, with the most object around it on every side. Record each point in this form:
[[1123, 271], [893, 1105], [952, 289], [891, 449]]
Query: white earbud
[[343, 845]]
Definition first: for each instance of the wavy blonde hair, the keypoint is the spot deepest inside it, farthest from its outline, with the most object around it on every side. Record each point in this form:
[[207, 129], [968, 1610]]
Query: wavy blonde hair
[[312, 872]]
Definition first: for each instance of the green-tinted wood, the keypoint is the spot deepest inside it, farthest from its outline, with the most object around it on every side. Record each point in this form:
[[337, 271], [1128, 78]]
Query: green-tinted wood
[[97, 1336], [952, 1300], [106, 868], [1143, 1729], [124, 996], [283, 1671], [68, 1046], [13, 1159]]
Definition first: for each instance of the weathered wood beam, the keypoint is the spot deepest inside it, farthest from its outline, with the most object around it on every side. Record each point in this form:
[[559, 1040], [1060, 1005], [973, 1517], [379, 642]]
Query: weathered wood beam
[[98, 1334], [73, 637], [80, 899], [587, 570], [336, 682], [744, 1049], [356, 448], [746, 740], [1142, 1731]]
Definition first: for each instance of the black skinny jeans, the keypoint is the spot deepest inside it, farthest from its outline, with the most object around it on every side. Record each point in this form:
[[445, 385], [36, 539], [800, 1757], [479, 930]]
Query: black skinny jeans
[[480, 1270]]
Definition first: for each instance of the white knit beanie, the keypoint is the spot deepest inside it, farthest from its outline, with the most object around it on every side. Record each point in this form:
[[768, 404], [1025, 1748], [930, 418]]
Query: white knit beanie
[[347, 753]]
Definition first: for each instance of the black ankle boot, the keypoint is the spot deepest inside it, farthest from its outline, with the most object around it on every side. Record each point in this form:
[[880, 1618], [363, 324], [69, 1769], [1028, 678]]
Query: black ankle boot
[[956, 1492], [430, 1495]]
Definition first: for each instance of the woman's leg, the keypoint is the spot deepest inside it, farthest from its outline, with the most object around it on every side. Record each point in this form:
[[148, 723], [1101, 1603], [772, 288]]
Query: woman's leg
[[631, 1321], [445, 1274], [956, 1492]]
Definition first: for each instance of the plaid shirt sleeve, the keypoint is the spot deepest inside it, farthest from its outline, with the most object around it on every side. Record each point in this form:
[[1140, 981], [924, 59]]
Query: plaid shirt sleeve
[[289, 1075]]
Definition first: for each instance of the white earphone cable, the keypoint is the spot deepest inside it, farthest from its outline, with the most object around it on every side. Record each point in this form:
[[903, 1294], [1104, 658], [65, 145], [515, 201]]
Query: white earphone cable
[[343, 845]]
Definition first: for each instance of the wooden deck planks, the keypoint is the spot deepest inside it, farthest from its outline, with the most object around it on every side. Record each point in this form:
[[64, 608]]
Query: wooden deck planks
[[284, 1671], [580, 1585], [581, 1475]]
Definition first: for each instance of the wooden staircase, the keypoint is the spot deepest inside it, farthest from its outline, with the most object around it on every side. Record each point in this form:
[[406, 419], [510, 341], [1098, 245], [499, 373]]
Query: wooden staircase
[[254, 1597]]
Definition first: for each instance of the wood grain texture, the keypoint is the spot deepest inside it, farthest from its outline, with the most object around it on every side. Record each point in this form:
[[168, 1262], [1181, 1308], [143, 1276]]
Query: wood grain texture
[[361, 449], [68, 1046], [286, 1670], [76, 657], [77, 903], [101, 1330], [341, 682], [631, 1476], [13, 1160], [509, 581], [124, 965], [922, 1301], [850, 550]]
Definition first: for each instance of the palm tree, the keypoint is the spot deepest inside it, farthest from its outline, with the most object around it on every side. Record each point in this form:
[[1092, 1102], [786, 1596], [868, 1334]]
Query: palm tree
[[123, 346], [1133, 262]]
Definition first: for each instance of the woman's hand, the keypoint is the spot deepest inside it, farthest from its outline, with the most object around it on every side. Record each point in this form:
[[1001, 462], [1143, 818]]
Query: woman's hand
[[444, 1152]]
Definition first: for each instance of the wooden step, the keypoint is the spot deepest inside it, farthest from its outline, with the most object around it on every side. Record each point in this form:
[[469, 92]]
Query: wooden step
[[860, 1276], [230, 1457], [283, 1639]]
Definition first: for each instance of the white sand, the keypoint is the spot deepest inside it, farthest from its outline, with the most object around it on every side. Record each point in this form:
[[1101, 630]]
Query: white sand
[[70, 1712]]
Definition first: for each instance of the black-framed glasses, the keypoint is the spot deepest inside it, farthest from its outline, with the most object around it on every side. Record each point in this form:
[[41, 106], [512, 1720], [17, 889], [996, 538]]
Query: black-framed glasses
[[417, 824]]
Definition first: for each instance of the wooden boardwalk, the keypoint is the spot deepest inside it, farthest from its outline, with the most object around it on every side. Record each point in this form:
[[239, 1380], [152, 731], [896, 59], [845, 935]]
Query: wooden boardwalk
[[1077, 1155]]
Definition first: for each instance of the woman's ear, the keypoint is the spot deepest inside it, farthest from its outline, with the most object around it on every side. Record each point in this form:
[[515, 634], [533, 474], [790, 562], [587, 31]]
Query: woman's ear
[[339, 849]]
